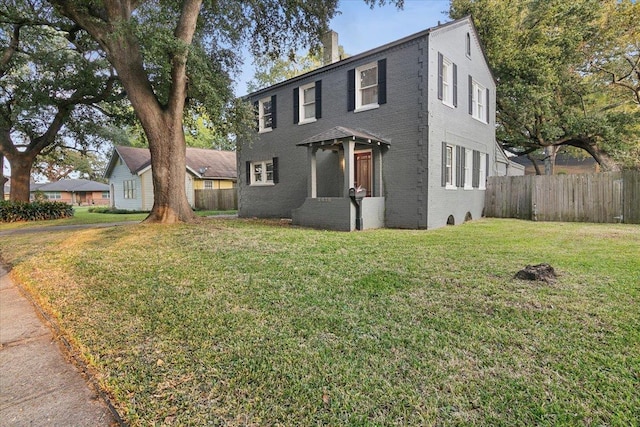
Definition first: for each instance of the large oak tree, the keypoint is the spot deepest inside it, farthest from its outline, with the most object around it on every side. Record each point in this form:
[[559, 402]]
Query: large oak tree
[[175, 54], [567, 74], [52, 82]]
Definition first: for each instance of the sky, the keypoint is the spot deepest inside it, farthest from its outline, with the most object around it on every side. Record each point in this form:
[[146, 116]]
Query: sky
[[361, 28]]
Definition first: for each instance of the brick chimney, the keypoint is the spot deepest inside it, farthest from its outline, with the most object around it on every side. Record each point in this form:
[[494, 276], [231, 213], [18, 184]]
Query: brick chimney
[[330, 45]]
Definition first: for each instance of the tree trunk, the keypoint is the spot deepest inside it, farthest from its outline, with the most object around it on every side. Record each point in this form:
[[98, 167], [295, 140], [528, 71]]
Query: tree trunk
[[607, 164], [20, 176]]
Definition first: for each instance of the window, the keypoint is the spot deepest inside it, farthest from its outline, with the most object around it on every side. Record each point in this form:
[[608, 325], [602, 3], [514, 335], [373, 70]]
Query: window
[[468, 45], [266, 114], [129, 187], [478, 101], [105, 194], [447, 81], [367, 86], [208, 185], [263, 172], [483, 171], [307, 103], [468, 170], [448, 162], [53, 195]]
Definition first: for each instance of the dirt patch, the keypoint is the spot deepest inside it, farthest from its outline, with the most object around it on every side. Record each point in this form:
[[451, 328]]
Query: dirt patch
[[541, 272]]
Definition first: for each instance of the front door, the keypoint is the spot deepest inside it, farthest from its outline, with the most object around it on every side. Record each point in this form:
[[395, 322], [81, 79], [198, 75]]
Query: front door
[[362, 160]]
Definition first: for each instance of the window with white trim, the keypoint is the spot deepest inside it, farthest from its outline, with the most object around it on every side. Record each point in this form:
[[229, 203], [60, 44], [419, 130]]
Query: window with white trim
[[307, 95], [447, 82], [265, 114], [483, 171], [450, 166], [53, 195], [478, 101], [262, 172], [105, 194], [208, 184], [367, 86], [129, 187], [468, 169]]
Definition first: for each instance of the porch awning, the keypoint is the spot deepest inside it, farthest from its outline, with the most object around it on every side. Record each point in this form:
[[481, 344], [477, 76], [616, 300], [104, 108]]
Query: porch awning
[[337, 135]]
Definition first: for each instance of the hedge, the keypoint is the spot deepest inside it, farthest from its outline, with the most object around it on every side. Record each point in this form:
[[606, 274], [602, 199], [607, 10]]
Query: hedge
[[35, 211]]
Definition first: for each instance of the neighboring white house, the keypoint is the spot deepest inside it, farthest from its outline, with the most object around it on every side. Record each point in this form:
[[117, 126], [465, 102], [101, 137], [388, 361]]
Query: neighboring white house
[[131, 185]]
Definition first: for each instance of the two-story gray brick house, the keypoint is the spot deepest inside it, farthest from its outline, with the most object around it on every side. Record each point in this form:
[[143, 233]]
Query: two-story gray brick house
[[412, 123]]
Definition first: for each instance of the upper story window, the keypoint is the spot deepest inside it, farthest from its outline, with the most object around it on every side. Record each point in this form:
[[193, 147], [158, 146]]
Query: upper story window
[[478, 101], [447, 81], [266, 113], [468, 45], [367, 86], [307, 103]]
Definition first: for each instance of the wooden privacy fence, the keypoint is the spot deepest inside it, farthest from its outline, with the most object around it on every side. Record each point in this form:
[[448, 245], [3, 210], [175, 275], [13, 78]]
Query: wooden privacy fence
[[217, 200], [601, 197]]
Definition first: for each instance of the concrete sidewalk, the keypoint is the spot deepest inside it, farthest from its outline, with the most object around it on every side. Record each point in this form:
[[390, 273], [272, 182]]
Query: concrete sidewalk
[[38, 385]]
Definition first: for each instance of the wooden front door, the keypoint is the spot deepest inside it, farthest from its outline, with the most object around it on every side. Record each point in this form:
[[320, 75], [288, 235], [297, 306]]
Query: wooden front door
[[363, 171]]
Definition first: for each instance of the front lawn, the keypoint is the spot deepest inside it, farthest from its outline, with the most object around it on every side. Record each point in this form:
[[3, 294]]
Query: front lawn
[[236, 322]]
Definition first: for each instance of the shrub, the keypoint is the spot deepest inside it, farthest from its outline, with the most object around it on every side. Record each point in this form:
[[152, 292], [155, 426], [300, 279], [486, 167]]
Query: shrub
[[34, 211]]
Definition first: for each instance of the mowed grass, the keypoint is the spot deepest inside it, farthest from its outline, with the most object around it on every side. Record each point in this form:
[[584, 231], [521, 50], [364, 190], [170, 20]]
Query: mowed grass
[[238, 322]]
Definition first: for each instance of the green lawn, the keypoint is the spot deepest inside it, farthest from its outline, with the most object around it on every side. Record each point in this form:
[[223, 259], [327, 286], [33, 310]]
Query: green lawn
[[81, 215], [238, 322]]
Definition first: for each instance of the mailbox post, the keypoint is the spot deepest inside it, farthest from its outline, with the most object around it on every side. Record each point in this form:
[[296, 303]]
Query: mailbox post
[[356, 195]]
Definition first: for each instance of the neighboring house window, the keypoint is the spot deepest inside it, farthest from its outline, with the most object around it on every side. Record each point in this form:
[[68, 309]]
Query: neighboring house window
[[53, 195], [448, 165], [307, 103], [266, 109], [208, 185], [264, 172], [447, 81], [367, 86], [129, 187], [478, 101], [105, 194], [468, 169]]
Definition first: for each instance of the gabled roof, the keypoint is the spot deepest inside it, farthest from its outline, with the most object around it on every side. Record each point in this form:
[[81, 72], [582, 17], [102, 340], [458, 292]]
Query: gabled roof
[[374, 51], [340, 133], [72, 186], [201, 162]]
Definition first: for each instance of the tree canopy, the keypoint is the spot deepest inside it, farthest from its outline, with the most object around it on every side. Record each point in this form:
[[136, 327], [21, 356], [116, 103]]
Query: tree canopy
[[53, 86], [567, 74]]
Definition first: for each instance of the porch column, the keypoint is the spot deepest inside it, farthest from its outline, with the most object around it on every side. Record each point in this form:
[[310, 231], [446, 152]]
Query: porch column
[[312, 184], [349, 166], [377, 172]]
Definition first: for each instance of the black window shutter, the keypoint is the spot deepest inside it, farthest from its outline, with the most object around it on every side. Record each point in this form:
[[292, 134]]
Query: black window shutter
[[463, 164], [276, 176], [351, 89], [444, 164], [470, 95], [382, 81], [248, 172], [487, 104], [486, 157], [296, 105], [476, 169], [459, 166], [455, 85], [319, 99], [256, 109], [440, 61], [273, 112]]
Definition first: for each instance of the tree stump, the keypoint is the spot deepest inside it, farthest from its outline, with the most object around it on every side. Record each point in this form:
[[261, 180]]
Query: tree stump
[[542, 272]]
